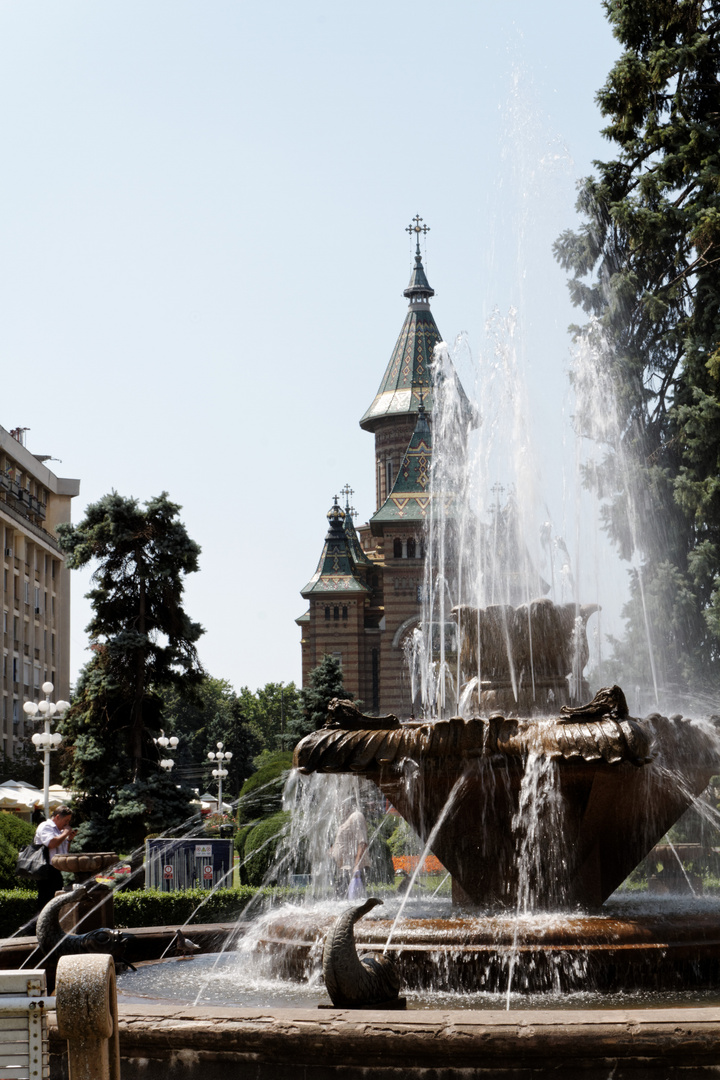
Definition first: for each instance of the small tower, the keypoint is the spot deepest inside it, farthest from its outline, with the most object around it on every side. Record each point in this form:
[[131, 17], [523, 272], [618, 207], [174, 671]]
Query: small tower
[[336, 616]]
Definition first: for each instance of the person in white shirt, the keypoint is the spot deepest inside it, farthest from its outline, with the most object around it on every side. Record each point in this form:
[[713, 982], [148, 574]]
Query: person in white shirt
[[350, 851], [55, 834]]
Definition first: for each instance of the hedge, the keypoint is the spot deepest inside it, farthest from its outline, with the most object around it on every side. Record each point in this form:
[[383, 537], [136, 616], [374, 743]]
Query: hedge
[[17, 907], [150, 907]]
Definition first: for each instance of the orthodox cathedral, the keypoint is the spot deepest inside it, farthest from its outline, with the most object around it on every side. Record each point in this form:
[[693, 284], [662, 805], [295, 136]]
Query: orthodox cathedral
[[365, 597]]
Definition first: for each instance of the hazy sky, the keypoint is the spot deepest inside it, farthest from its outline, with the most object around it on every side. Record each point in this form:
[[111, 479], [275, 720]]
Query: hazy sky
[[202, 253]]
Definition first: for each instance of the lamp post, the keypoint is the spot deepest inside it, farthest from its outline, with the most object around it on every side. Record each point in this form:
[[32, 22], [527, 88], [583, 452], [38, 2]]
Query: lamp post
[[220, 772], [46, 741], [163, 742]]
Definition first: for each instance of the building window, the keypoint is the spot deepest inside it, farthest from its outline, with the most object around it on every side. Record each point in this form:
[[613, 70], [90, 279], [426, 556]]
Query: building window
[[397, 548], [336, 613], [344, 615], [388, 476], [411, 548], [327, 612]]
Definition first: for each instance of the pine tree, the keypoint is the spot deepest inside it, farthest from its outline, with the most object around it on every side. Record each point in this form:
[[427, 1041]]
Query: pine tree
[[326, 682], [650, 247], [143, 643]]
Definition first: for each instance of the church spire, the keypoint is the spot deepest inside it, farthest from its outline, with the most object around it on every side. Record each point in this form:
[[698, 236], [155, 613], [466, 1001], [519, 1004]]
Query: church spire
[[407, 377]]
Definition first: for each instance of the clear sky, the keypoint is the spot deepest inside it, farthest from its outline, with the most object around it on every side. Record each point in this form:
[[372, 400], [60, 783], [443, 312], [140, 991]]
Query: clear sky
[[202, 253]]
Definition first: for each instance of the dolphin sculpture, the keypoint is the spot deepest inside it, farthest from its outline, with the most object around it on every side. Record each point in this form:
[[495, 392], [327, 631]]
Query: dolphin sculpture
[[54, 942], [355, 982]]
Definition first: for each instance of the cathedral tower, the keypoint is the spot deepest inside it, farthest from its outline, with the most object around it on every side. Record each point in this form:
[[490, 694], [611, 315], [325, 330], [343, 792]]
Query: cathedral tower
[[366, 595]]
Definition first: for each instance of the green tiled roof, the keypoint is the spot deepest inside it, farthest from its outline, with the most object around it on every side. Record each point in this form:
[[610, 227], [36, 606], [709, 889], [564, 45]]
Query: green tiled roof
[[336, 569], [407, 380], [359, 557], [410, 496]]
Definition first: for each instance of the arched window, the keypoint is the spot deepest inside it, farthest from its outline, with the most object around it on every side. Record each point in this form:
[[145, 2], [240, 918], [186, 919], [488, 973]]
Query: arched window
[[411, 548], [336, 613], [345, 612], [327, 612], [397, 548]]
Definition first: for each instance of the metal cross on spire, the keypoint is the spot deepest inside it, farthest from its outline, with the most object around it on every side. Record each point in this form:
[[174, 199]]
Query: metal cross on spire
[[347, 491], [417, 228]]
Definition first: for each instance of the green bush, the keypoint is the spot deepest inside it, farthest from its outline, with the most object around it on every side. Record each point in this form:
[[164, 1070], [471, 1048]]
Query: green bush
[[16, 831], [151, 907], [240, 837], [260, 847], [14, 834], [261, 794], [17, 907], [405, 841]]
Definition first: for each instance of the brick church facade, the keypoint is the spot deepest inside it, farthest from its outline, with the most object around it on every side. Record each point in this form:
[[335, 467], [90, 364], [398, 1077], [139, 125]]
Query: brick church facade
[[365, 597]]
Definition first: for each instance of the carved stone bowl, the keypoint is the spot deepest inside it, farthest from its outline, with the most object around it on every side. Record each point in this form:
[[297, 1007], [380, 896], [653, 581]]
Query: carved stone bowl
[[86, 865]]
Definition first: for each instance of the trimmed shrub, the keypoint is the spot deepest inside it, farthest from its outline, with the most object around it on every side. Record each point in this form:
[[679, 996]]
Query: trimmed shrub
[[261, 794], [16, 831], [240, 837], [151, 907], [260, 847], [17, 907], [14, 834]]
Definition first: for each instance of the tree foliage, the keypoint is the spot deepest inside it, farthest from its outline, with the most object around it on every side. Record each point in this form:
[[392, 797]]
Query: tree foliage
[[214, 714], [646, 268], [143, 644], [326, 682], [272, 711]]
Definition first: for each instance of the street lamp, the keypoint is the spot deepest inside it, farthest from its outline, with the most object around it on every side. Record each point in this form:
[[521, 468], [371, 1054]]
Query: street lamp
[[46, 741], [163, 741], [220, 772]]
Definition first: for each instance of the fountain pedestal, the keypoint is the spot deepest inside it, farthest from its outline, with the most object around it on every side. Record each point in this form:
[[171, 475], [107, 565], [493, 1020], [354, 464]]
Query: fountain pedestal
[[604, 792], [84, 914]]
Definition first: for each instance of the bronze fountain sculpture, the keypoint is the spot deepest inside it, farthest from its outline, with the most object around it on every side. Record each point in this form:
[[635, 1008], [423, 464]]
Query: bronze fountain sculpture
[[618, 783]]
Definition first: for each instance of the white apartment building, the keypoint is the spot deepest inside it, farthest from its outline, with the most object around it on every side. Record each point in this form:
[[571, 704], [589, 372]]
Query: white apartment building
[[35, 584]]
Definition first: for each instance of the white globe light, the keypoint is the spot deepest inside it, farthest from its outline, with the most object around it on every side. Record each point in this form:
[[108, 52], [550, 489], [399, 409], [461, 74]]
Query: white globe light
[[47, 688], [37, 739], [56, 738], [228, 755], [62, 706], [219, 746], [211, 756], [216, 772], [43, 707], [51, 707], [30, 708], [174, 741], [163, 740]]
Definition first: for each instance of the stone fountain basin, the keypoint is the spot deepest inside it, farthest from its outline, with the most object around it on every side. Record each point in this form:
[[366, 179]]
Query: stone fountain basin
[[91, 863], [654, 950]]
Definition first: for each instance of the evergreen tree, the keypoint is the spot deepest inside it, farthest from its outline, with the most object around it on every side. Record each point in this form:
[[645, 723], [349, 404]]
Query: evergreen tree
[[326, 682], [143, 643], [646, 267]]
